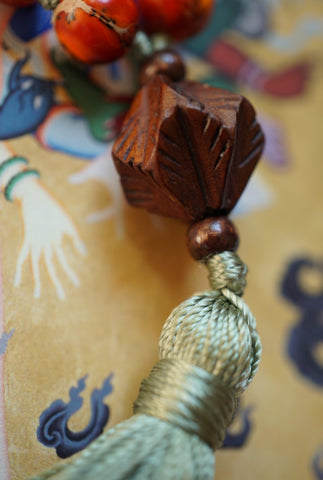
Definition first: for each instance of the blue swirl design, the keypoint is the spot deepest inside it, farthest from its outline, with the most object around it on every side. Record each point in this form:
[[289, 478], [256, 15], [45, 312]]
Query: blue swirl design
[[238, 440], [53, 430], [307, 334], [317, 465]]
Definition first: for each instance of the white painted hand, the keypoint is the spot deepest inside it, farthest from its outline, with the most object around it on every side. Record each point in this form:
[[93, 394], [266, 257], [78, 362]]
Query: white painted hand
[[102, 170], [276, 147], [46, 224]]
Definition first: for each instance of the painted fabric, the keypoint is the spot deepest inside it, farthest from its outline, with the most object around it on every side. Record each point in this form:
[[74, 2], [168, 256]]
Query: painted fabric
[[87, 281]]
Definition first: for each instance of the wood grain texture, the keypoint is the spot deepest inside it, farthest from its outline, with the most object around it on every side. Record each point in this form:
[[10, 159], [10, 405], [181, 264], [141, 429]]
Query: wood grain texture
[[187, 150]]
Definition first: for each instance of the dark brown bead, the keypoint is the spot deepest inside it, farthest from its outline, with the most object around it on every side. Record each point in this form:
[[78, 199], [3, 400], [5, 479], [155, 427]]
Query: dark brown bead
[[163, 62], [210, 236]]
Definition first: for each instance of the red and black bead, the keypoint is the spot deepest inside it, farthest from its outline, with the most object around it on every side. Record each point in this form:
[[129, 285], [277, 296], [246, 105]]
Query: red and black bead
[[179, 19], [96, 31]]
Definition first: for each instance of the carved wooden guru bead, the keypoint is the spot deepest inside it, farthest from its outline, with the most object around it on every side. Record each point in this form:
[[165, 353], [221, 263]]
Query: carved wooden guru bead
[[187, 150]]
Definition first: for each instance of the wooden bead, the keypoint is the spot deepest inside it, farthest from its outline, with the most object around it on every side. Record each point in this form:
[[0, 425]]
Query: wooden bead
[[210, 236], [187, 150], [165, 62]]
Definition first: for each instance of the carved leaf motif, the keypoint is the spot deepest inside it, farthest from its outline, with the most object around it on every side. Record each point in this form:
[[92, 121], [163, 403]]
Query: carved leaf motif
[[199, 150], [187, 150], [135, 149], [249, 144]]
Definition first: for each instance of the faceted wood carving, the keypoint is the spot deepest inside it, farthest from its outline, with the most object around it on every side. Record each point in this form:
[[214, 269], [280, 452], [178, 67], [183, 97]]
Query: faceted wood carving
[[187, 150]]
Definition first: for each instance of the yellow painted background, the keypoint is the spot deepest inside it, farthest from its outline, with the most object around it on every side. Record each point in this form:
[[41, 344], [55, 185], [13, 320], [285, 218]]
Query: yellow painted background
[[128, 287]]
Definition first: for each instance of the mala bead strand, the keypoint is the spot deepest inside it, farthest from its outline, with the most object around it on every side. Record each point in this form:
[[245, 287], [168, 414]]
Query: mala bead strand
[[186, 151]]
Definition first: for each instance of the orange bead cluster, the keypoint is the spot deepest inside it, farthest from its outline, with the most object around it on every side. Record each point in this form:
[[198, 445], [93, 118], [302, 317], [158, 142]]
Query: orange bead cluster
[[100, 31]]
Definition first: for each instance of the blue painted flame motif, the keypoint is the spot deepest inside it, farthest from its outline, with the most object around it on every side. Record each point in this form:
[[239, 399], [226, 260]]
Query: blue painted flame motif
[[53, 430], [27, 103], [317, 465], [307, 334], [239, 439]]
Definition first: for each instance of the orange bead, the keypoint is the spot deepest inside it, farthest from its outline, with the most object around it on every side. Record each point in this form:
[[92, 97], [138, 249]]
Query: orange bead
[[96, 31], [178, 18]]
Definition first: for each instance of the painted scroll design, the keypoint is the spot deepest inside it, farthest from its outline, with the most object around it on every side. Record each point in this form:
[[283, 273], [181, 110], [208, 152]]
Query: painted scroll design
[[239, 438], [53, 430], [306, 337], [4, 340], [317, 464]]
